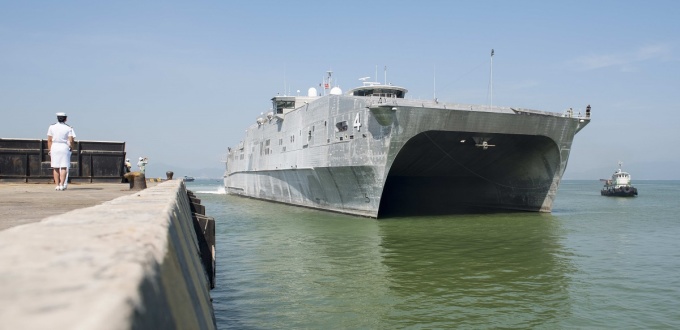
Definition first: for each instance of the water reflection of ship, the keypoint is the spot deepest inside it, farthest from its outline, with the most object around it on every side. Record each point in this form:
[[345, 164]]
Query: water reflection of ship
[[320, 265], [491, 269]]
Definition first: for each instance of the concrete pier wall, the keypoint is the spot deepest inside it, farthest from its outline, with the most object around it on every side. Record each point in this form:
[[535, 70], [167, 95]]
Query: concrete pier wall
[[130, 263]]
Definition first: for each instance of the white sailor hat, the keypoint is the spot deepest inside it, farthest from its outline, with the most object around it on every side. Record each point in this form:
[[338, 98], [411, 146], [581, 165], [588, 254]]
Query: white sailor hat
[[61, 114], [141, 158]]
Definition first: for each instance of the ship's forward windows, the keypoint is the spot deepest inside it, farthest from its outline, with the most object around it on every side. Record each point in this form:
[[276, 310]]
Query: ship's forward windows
[[341, 126], [380, 92], [280, 105]]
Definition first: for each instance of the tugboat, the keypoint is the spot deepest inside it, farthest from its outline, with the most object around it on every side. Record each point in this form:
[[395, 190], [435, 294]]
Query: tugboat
[[619, 185]]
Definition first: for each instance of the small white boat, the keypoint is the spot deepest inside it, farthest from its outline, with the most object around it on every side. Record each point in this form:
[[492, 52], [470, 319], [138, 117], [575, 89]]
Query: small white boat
[[188, 178], [619, 185]]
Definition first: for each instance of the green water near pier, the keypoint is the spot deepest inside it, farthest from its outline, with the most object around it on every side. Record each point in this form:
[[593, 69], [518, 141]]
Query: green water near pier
[[594, 262]]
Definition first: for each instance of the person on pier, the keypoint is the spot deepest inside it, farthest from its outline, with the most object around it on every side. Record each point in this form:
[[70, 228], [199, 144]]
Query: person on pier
[[60, 142]]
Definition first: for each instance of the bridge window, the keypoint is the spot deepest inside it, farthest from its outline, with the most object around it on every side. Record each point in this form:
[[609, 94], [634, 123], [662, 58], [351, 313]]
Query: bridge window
[[280, 105], [380, 92]]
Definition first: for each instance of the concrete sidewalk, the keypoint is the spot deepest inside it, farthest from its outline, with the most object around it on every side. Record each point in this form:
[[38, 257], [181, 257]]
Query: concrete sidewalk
[[22, 203]]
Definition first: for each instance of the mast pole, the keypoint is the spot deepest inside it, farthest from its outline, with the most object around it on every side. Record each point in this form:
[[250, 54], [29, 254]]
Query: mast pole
[[491, 79], [385, 74]]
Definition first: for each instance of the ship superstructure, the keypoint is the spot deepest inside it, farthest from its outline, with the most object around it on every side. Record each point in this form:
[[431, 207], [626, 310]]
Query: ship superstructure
[[372, 152]]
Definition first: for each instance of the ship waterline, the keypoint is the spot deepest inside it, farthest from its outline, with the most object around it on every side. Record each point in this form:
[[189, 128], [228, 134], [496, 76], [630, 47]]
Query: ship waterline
[[373, 153]]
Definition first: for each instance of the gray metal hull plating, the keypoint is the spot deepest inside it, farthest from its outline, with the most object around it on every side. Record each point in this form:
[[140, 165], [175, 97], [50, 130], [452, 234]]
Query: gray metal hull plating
[[401, 156]]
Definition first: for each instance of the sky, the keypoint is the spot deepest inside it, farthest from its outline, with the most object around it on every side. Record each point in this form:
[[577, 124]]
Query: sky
[[180, 81]]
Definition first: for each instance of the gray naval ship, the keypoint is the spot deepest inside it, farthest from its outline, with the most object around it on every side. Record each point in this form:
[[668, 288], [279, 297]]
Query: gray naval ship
[[372, 152]]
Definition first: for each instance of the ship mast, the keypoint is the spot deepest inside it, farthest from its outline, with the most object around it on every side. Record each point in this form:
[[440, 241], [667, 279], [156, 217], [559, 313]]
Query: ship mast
[[327, 82], [491, 81], [385, 74], [376, 73], [434, 82]]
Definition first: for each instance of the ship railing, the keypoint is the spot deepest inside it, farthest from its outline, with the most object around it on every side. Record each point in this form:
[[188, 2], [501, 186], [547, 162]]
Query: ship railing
[[570, 113], [382, 101]]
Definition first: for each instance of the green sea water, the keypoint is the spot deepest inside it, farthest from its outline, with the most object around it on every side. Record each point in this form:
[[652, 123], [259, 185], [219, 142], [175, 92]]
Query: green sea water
[[594, 262]]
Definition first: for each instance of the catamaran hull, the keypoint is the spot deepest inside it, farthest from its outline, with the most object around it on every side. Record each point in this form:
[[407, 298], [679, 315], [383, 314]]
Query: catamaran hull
[[340, 189], [407, 160]]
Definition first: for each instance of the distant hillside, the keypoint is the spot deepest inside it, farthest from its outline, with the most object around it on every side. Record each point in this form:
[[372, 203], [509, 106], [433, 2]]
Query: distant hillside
[[154, 170], [637, 170]]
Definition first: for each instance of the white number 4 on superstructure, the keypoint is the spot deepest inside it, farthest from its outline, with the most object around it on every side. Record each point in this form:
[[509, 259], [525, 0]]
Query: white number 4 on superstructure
[[357, 122]]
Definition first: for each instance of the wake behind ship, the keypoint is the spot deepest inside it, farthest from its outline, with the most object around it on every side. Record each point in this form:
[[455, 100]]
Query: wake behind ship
[[372, 152]]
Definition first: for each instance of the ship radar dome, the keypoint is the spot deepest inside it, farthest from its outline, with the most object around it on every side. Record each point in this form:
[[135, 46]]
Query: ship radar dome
[[336, 91], [311, 92]]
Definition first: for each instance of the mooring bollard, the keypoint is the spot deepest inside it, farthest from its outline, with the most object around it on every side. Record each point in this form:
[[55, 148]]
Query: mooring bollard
[[137, 180], [169, 174]]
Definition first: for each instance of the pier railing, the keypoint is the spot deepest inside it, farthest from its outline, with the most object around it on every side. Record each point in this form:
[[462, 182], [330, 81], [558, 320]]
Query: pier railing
[[28, 160]]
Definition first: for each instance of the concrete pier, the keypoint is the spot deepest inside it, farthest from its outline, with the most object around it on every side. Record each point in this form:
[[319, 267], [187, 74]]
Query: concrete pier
[[22, 203], [132, 262]]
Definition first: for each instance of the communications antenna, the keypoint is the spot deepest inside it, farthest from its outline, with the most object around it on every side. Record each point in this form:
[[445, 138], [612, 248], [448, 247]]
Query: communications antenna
[[434, 83], [385, 74], [491, 81]]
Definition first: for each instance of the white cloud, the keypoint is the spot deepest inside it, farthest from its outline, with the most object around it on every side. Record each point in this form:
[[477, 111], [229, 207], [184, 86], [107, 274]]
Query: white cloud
[[625, 61]]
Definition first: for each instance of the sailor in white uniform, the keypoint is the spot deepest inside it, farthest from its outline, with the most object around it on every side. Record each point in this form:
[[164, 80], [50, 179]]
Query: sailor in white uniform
[[142, 164], [60, 141]]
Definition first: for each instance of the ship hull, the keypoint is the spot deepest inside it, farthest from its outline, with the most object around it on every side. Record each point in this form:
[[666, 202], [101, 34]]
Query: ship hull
[[625, 191], [338, 189], [403, 158]]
